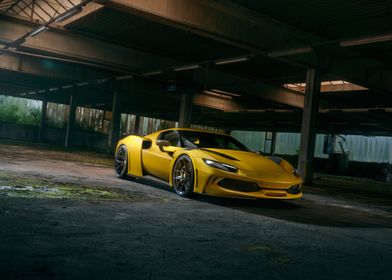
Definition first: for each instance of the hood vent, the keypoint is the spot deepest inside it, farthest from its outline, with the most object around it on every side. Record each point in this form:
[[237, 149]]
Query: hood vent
[[219, 154]]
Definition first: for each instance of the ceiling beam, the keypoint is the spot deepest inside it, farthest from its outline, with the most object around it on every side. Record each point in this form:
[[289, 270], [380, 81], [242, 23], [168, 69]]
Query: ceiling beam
[[62, 72], [89, 9], [69, 45], [364, 71], [220, 20], [215, 79], [275, 94], [217, 103]]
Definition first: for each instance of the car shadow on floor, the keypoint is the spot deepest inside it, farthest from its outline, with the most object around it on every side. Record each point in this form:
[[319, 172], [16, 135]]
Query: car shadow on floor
[[152, 182], [309, 210]]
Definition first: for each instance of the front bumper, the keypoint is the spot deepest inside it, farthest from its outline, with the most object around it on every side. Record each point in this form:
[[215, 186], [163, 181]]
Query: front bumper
[[215, 182]]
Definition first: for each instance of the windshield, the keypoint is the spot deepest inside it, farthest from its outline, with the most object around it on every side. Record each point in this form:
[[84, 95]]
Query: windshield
[[195, 139]]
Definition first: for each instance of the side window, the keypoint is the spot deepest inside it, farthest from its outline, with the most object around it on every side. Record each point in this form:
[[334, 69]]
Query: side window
[[172, 137]]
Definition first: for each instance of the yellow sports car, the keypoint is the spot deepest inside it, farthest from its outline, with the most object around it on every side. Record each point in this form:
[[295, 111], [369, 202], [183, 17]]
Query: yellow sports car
[[198, 161]]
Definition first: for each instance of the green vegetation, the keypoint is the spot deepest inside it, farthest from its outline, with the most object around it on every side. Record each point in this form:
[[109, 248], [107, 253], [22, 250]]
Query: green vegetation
[[39, 187], [20, 111]]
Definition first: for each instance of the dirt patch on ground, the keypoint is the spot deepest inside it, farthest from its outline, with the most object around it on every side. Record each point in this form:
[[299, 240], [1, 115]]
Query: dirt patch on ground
[[27, 186], [12, 151]]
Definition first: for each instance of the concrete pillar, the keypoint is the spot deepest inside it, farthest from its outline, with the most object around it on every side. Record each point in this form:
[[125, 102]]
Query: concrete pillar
[[114, 134], [269, 142], [308, 130], [273, 142], [42, 122], [185, 117], [71, 119], [136, 128]]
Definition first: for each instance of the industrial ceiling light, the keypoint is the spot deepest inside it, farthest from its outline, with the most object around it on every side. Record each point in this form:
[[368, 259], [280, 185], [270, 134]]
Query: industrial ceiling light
[[226, 92], [209, 92], [38, 30], [124, 77], [255, 111], [187, 67], [82, 84], [152, 73], [101, 81], [231, 60], [366, 40], [289, 52], [68, 14]]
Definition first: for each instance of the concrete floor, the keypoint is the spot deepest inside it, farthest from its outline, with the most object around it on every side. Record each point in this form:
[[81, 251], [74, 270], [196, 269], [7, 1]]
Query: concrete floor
[[163, 236]]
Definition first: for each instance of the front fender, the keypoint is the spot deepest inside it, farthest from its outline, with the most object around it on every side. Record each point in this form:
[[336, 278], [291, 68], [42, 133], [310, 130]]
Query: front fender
[[134, 147]]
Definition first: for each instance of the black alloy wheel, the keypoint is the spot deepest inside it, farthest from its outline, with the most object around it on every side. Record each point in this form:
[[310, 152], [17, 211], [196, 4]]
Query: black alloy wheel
[[121, 162], [183, 176]]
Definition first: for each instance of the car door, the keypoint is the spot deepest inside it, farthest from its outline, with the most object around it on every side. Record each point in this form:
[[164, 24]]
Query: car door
[[156, 162]]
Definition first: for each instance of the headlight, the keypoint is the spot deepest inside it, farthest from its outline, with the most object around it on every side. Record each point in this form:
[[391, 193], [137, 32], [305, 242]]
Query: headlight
[[295, 172], [220, 165]]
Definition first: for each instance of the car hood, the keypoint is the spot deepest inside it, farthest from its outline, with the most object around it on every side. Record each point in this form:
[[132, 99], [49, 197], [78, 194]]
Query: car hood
[[253, 164]]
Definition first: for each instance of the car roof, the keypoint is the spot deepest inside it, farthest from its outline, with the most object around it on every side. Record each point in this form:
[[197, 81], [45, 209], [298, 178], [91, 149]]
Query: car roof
[[186, 129]]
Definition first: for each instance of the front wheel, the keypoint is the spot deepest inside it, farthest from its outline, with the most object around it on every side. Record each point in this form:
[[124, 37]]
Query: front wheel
[[121, 162], [183, 176]]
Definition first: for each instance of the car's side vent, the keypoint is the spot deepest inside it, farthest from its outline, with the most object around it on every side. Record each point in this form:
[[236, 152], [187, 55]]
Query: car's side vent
[[146, 144]]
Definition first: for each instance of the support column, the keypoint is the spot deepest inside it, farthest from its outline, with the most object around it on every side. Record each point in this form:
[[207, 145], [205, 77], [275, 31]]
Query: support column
[[308, 130], [42, 122], [185, 117], [71, 119], [136, 128], [114, 134], [273, 142], [269, 142]]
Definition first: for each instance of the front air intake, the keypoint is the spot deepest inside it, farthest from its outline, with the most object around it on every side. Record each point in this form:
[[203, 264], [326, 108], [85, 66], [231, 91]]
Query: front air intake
[[238, 185], [296, 189]]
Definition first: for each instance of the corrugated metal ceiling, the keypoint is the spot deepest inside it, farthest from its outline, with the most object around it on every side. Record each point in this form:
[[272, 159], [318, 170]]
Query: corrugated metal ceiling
[[137, 32], [129, 30], [332, 18]]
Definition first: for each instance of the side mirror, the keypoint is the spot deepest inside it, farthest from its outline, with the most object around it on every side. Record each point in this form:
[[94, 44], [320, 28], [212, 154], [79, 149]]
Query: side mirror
[[163, 143]]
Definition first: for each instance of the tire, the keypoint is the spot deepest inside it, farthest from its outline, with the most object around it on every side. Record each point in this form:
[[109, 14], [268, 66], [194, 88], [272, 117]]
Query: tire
[[183, 176], [121, 162]]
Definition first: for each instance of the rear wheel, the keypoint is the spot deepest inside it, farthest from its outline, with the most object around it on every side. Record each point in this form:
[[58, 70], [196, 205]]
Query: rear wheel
[[121, 162], [183, 176]]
